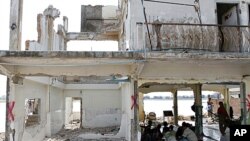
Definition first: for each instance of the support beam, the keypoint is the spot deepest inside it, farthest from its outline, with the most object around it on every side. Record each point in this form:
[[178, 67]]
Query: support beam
[[175, 107], [7, 122], [243, 102], [16, 13], [198, 110], [135, 120], [141, 108], [226, 99]]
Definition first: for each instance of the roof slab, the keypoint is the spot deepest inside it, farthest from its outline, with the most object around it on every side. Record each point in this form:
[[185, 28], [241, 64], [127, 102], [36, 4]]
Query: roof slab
[[173, 67]]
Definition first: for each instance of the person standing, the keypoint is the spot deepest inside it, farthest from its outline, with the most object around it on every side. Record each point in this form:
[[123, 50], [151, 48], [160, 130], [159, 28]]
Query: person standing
[[223, 118], [209, 107]]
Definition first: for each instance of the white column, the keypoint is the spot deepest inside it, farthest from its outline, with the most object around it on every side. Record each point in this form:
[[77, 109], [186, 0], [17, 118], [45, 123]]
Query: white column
[[16, 13]]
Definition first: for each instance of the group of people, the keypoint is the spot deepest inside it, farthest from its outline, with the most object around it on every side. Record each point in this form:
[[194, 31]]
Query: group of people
[[222, 114], [183, 133]]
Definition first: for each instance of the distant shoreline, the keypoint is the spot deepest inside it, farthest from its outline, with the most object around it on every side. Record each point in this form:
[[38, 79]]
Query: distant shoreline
[[171, 99], [2, 101]]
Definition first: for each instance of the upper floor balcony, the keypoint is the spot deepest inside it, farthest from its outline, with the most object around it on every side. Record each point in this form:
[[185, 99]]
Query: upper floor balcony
[[157, 36]]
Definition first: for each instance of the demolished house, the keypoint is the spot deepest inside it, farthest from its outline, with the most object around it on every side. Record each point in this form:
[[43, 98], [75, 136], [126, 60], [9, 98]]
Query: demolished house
[[163, 47]]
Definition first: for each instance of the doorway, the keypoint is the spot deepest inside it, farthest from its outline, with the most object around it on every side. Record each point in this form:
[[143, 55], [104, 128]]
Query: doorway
[[73, 112]]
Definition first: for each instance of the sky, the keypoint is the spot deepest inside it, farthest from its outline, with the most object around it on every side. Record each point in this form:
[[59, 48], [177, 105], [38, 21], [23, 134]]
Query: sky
[[69, 8]]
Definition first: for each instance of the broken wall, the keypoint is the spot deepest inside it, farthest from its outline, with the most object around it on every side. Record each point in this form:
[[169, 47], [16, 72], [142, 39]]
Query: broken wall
[[101, 108], [30, 89], [180, 36], [98, 18], [48, 39]]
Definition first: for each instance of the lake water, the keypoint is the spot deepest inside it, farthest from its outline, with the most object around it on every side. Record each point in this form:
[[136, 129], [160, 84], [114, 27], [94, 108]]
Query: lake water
[[157, 106]]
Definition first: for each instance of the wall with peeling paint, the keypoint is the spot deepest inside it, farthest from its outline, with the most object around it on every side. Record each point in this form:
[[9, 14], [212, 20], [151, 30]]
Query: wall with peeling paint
[[191, 37]]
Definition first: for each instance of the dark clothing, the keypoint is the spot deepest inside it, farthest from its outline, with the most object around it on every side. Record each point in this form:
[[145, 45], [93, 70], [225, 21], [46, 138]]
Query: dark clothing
[[179, 133], [146, 137], [223, 119], [231, 112], [193, 108]]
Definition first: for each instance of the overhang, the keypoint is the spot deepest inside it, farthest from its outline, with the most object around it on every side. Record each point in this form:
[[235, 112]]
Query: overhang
[[162, 67]]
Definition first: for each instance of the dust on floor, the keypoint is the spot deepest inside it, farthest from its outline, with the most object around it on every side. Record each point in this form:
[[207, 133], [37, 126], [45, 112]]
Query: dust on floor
[[72, 132]]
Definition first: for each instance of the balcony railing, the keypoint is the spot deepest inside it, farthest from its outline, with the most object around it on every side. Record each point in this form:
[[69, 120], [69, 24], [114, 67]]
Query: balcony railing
[[201, 37]]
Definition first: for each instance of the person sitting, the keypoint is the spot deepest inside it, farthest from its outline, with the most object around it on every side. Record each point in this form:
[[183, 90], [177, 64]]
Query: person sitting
[[188, 133], [178, 134], [157, 135], [146, 136], [170, 135], [165, 126]]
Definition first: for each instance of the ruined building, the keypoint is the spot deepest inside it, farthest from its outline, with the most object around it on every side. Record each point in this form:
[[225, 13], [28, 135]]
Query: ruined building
[[163, 47]]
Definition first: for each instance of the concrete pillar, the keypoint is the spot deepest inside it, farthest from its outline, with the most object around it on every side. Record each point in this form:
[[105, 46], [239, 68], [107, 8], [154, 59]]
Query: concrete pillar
[[245, 99], [51, 14], [16, 13], [226, 99], [134, 107], [7, 122], [10, 133], [48, 127], [141, 107], [65, 23], [198, 110], [175, 103]]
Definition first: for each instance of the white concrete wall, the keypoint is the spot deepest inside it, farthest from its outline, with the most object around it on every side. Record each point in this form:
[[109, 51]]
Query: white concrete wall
[[127, 112], [68, 109], [57, 111], [101, 108], [109, 12], [51, 112], [30, 89]]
